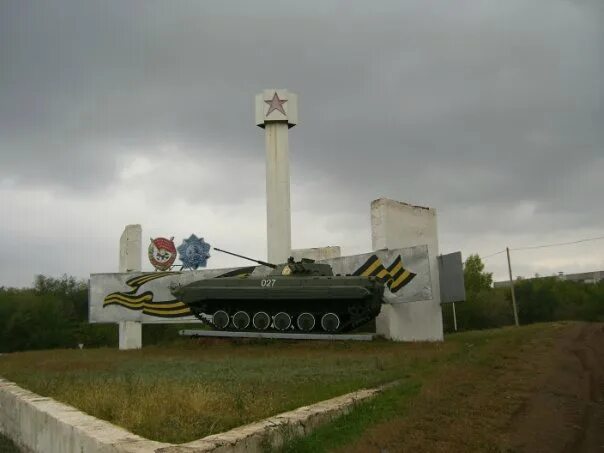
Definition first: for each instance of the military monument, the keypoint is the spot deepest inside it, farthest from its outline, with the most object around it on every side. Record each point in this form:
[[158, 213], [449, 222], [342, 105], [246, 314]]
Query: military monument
[[276, 113], [405, 261]]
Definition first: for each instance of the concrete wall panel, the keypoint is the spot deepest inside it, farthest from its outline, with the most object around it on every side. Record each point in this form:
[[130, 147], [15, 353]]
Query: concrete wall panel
[[102, 286], [131, 249], [317, 253], [396, 225]]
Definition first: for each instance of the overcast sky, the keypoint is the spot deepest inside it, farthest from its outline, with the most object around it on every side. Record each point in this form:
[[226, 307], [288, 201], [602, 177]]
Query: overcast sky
[[119, 112]]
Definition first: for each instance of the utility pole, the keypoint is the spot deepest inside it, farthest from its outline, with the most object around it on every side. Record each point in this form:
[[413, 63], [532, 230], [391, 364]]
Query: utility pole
[[507, 249], [454, 317]]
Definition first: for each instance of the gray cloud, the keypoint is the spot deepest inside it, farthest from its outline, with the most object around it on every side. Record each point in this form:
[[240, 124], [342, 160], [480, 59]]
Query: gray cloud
[[489, 111]]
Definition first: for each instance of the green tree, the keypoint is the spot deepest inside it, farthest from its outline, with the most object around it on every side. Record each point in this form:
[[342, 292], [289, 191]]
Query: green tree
[[484, 307], [69, 290], [30, 321], [54, 314], [475, 278]]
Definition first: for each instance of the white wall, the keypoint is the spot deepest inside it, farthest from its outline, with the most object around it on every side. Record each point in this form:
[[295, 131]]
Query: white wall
[[397, 225], [317, 253], [131, 249], [131, 333]]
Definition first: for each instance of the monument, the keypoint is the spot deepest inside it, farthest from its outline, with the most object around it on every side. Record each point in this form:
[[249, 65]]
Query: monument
[[276, 113], [405, 256]]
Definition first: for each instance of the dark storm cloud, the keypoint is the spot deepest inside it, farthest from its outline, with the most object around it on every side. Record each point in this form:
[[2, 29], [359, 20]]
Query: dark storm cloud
[[477, 107], [81, 80]]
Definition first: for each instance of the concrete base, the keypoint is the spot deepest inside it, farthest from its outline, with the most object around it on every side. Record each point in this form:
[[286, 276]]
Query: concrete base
[[131, 335], [415, 321], [397, 225], [282, 336]]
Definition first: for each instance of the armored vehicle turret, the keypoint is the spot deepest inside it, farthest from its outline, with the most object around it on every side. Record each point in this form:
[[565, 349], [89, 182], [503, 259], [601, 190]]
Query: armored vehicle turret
[[302, 296]]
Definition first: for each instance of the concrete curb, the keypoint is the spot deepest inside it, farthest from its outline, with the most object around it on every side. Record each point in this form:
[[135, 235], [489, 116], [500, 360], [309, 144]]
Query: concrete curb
[[40, 424], [278, 335]]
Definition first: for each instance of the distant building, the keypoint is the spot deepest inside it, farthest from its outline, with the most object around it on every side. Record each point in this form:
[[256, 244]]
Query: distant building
[[583, 277]]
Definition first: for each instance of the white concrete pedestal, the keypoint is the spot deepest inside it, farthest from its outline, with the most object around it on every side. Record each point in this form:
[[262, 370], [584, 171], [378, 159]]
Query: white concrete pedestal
[[131, 333], [398, 225]]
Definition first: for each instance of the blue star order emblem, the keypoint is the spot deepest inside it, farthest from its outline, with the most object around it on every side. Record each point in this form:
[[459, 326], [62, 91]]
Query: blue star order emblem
[[194, 252]]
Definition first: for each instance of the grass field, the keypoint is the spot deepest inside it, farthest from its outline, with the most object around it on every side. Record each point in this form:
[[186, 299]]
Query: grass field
[[199, 387], [536, 388], [195, 388]]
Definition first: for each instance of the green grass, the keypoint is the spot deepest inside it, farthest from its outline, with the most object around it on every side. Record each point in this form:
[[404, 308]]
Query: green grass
[[182, 393], [191, 389], [478, 354], [349, 427]]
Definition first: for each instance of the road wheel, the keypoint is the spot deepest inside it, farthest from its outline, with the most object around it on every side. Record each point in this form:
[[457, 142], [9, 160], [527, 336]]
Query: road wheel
[[221, 319], [241, 320], [282, 321], [261, 320], [330, 322], [306, 322]]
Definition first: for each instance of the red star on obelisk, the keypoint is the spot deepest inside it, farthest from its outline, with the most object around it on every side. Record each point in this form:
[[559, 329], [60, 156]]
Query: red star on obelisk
[[275, 104]]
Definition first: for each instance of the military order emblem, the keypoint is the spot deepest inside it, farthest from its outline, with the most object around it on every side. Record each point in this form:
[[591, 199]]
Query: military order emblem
[[162, 253], [194, 252]]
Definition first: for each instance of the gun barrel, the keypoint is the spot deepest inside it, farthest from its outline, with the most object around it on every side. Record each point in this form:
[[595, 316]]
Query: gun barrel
[[264, 263]]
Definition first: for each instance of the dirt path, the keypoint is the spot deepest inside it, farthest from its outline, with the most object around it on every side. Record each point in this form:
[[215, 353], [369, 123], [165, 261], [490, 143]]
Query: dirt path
[[543, 393], [566, 413]]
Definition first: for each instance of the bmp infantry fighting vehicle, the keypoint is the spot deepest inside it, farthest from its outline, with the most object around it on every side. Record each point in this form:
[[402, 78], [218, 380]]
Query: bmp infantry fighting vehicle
[[301, 296]]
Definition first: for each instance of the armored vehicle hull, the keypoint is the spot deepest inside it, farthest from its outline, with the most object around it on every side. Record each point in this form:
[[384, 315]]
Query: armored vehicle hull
[[284, 302], [295, 296]]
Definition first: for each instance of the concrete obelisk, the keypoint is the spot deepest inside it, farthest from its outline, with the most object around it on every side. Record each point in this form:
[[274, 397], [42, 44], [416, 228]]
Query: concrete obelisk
[[276, 112]]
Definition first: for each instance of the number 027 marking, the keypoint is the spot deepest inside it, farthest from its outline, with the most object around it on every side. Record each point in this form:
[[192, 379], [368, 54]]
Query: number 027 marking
[[269, 283]]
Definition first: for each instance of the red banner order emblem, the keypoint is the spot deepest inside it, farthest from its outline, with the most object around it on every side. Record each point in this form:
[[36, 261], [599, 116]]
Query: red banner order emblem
[[162, 253]]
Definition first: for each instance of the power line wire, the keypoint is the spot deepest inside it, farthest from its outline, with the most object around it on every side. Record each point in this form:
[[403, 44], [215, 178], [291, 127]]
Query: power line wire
[[559, 243], [544, 246], [493, 254]]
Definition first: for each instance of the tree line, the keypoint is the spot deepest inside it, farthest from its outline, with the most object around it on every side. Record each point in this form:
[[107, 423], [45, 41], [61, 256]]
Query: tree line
[[54, 312], [542, 299]]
